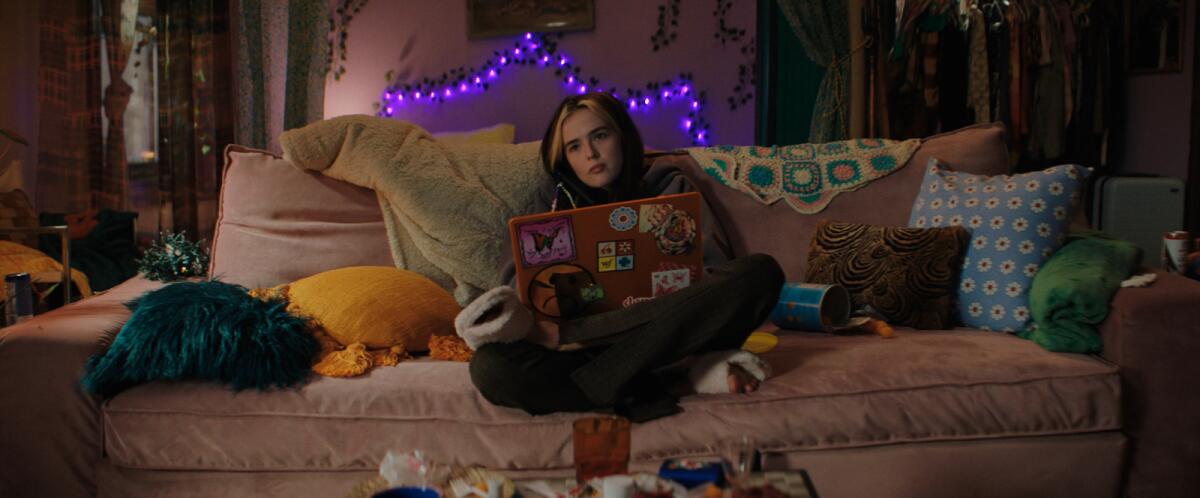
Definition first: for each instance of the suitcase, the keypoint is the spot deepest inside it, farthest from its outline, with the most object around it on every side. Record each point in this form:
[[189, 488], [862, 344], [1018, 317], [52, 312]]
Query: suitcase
[[1139, 209]]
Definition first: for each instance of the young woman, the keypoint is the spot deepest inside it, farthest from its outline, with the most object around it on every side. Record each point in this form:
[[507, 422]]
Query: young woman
[[594, 152]]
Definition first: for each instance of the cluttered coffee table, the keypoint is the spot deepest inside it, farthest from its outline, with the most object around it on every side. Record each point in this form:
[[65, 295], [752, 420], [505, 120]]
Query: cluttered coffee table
[[601, 458], [770, 484]]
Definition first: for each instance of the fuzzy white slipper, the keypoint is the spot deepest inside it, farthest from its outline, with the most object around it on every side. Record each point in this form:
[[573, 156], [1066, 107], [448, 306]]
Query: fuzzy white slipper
[[495, 316], [709, 372]]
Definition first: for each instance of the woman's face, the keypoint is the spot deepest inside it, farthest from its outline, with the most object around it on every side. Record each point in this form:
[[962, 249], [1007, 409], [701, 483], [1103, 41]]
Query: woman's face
[[592, 148]]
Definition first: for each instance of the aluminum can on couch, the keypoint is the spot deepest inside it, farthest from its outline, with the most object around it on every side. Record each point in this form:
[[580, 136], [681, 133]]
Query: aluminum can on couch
[[1175, 249], [19, 305]]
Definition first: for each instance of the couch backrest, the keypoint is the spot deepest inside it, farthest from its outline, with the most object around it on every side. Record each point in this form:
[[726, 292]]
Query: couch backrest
[[276, 223], [780, 231]]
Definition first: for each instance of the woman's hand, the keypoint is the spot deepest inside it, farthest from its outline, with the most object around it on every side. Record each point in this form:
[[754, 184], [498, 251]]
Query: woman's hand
[[544, 334]]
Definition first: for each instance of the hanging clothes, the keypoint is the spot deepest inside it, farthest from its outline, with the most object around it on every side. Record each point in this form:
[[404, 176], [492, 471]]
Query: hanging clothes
[[978, 89], [1046, 140], [996, 32]]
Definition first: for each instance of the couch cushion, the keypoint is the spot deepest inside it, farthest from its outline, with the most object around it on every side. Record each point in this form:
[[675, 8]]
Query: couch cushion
[[829, 392], [906, 274], [1016, 223], [277, 223], [781, 232], [376, 306]]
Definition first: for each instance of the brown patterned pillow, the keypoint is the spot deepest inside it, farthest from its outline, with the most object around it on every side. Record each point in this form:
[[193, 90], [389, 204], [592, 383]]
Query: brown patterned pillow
[[908, 274], [17, 212]]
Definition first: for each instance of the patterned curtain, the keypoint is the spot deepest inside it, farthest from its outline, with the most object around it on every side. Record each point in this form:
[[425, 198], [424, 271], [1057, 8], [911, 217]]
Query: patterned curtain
[[195, 112], [281, 61], [70, 144], [823, 29], [80, 164], [83, 162], [111, 184]]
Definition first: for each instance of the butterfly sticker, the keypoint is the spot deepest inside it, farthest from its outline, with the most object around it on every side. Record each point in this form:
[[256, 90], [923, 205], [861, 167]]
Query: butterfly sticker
[[543, 241], [546, 241]]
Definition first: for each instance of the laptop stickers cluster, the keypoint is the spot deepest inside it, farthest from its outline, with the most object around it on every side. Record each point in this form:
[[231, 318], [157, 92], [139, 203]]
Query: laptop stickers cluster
[[583, 261]]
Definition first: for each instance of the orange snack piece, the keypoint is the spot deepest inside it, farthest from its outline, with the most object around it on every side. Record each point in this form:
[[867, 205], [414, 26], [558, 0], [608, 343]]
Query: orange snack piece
[[880, 328]]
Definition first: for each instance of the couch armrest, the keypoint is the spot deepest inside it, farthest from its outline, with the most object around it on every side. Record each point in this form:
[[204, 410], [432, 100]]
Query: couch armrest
[[50, 438], [1153, 334]]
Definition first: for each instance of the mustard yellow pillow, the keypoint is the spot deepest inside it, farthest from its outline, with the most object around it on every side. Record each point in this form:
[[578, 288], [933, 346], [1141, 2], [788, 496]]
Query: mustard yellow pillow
[[376, 306], [502, 133]]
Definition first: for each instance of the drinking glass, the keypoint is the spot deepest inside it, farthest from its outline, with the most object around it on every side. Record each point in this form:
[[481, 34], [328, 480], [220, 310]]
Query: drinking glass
[[737, 457], [601, 447]]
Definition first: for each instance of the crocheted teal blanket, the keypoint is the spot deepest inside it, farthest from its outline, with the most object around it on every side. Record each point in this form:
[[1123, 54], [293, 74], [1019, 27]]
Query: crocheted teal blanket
[[806, 176]]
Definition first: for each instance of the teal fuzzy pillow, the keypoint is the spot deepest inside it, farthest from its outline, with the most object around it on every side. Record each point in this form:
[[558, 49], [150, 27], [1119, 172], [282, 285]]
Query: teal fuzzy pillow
[[211, 331]]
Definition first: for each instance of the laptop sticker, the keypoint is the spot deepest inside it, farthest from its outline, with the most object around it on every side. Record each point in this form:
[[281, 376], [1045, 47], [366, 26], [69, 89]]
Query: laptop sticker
[[625, 262], [624, 247], [676, 233], [652, 215], [623, 218], [614, 255], [606, 264], [631, 300], [547, 241], [693, 270], [606, 249], [666, 282], [562, 290]]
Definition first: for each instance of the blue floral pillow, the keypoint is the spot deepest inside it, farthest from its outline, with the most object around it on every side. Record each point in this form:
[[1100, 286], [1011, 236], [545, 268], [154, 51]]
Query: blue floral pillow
[[1016, 223]]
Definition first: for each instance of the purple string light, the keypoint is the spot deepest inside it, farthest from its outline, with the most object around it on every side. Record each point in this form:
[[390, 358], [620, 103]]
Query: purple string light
[[529, 51]]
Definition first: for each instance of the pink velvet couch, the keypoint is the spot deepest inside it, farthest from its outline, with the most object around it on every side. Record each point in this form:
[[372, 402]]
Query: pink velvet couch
[[931, 413]]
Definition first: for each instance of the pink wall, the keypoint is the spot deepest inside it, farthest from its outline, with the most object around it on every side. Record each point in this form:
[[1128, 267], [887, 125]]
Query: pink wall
[[425, 38], [1159, 115]]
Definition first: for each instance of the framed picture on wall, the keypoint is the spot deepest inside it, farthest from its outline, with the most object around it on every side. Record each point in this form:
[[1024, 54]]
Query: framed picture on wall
[[1155, 34], [503, 17]]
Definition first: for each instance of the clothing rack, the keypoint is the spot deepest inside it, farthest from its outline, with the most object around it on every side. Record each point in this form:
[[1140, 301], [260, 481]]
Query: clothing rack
[[1048, 69]]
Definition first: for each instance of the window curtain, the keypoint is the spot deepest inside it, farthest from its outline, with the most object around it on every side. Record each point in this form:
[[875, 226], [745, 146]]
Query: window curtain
[[110, 183], [823, 30], [84, 96], [81, 156], [70, 143], [195, 105], [281, 61]]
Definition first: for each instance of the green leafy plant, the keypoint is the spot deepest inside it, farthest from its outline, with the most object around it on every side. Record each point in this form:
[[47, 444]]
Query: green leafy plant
[[173, 257]]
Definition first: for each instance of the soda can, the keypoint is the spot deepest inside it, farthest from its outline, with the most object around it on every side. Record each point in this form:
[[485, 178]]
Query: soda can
[[1175, 249], [19, 306]]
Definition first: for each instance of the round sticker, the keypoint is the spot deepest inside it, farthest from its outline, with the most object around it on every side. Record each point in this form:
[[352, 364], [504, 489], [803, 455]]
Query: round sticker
[[622, 219], [676, 233]]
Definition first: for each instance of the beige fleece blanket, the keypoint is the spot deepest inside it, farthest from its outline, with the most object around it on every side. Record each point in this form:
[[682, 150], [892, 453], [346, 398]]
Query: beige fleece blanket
[[446, 207]]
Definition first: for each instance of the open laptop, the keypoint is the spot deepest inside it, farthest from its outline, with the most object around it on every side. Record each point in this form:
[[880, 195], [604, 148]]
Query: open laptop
[[583, 261]]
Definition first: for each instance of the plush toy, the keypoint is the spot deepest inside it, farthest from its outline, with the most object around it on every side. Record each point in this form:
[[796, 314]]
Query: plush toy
[[368, 316]]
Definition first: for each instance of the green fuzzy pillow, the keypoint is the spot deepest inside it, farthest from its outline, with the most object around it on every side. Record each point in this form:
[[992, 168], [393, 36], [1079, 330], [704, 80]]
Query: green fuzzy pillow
[[211, 331]]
